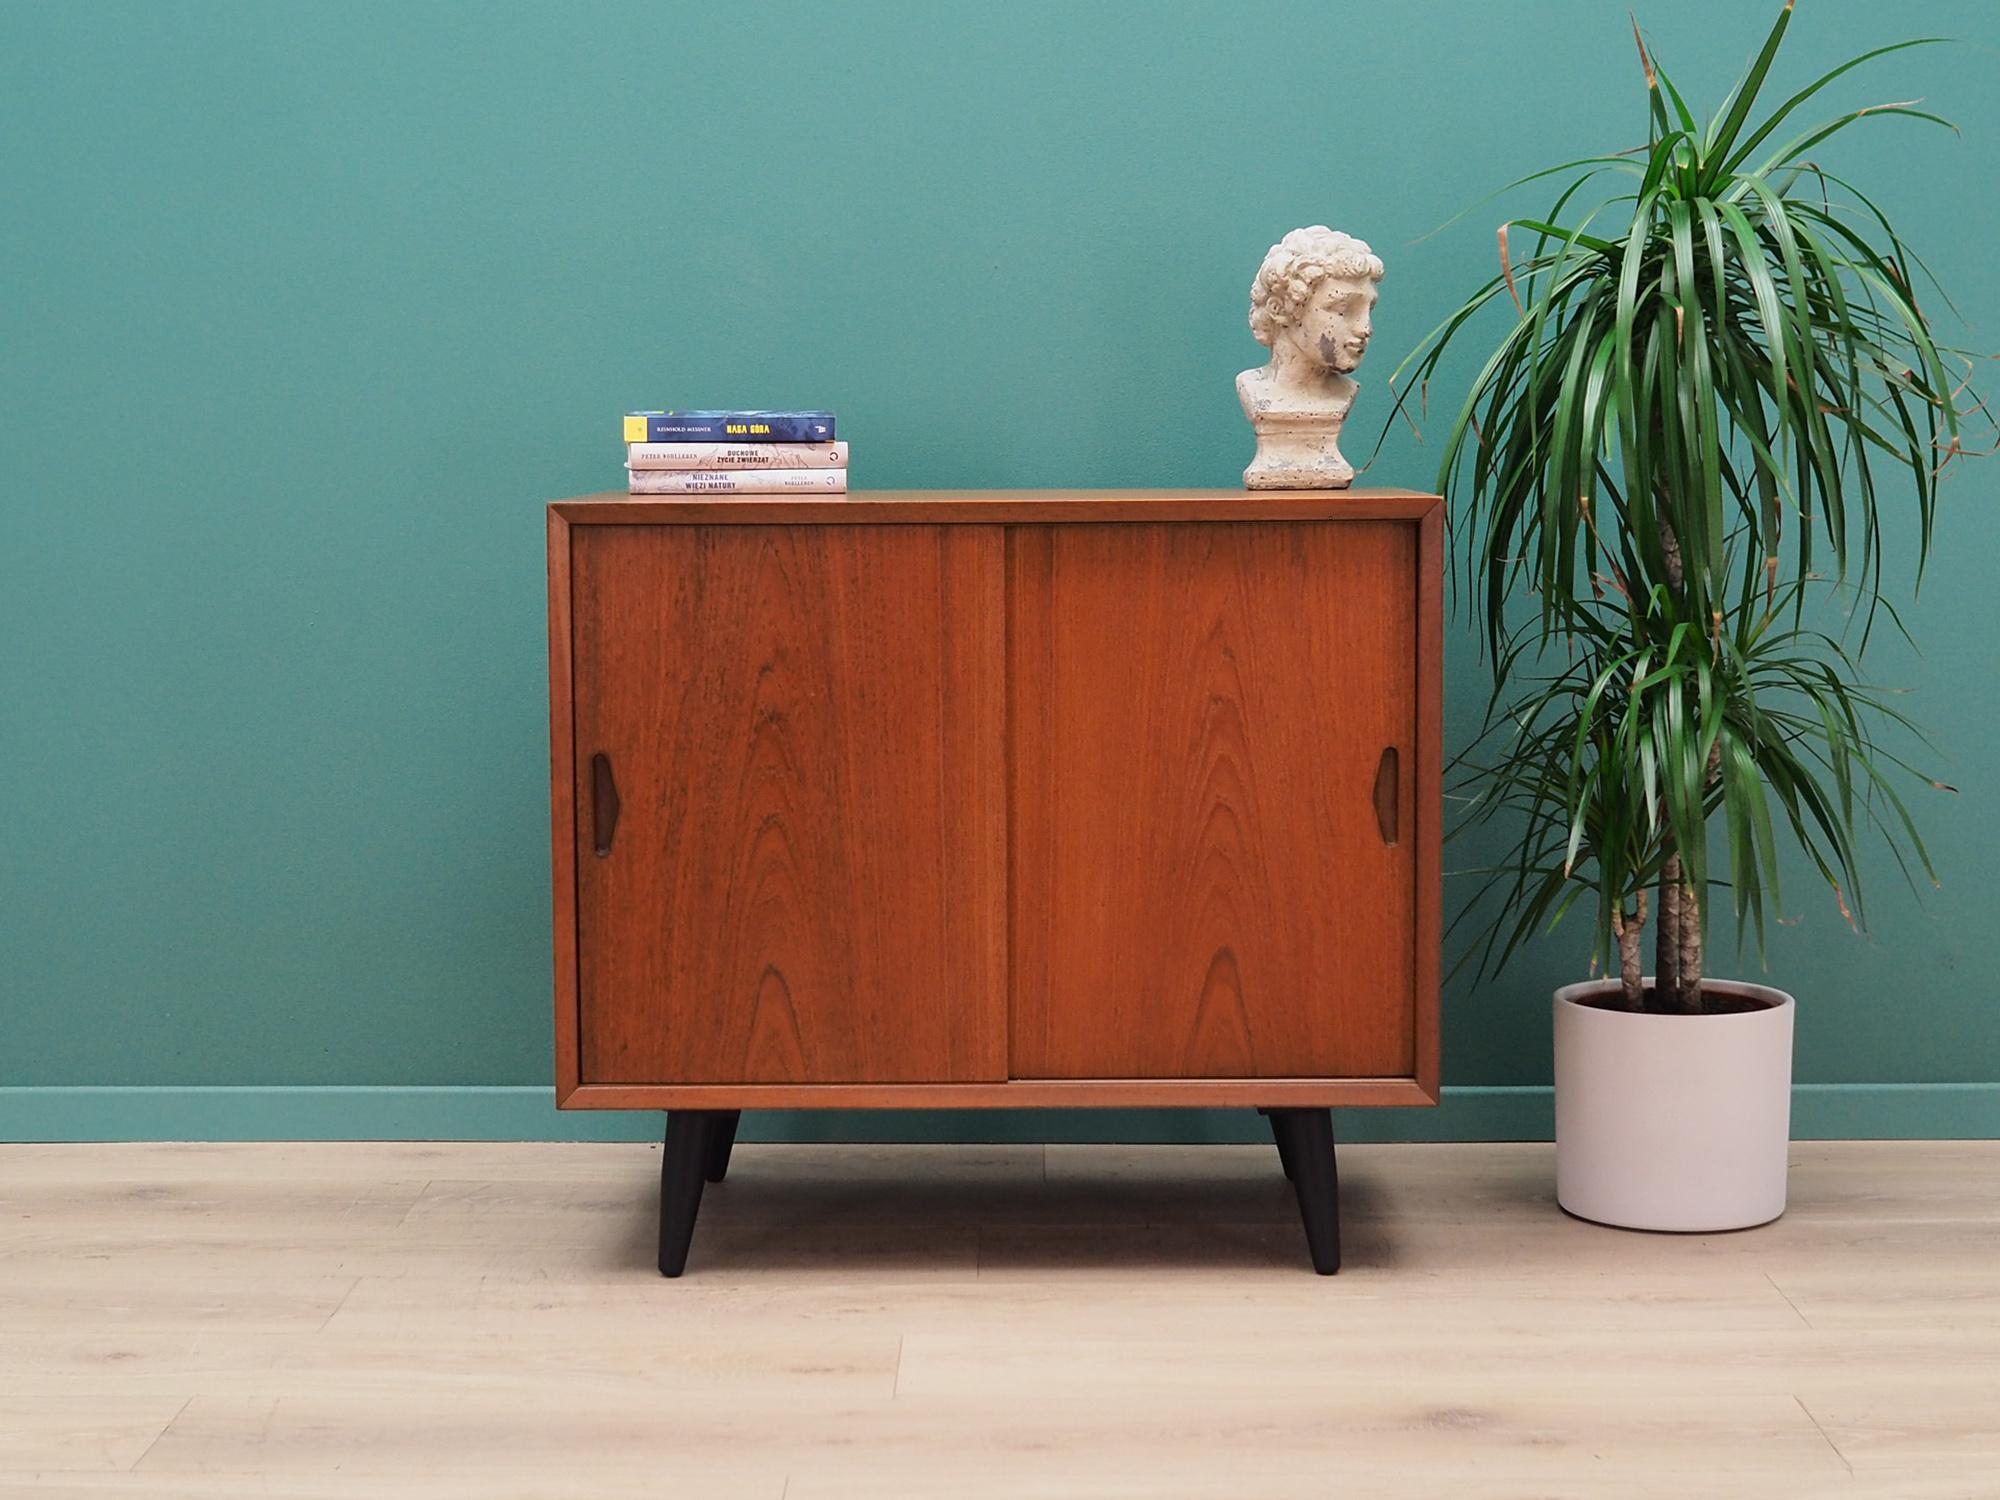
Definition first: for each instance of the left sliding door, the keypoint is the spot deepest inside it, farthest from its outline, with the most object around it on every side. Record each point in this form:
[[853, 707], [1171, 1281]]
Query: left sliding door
[[790, 835]]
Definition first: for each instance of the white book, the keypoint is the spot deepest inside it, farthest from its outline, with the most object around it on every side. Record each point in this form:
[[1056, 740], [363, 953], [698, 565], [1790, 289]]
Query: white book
[[737, 481], [736, 456]]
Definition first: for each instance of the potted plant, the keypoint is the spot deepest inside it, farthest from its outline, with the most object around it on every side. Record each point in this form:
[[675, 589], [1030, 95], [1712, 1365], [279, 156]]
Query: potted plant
[[1668, 476]]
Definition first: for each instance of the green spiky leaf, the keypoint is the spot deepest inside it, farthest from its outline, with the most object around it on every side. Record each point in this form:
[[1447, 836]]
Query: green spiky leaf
[[1716, 392]]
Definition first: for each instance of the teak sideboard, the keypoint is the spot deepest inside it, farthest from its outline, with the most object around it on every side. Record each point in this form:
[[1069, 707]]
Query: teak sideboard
[[996, 798]]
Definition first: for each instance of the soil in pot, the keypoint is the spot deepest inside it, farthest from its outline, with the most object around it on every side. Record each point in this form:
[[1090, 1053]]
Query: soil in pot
[[1711, 1004]]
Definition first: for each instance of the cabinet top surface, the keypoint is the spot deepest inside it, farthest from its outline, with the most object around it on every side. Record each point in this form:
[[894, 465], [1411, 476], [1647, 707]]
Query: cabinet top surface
[[995, 506]]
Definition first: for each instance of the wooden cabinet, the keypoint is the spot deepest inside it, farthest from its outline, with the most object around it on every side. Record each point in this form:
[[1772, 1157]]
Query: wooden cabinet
[[995, 798]]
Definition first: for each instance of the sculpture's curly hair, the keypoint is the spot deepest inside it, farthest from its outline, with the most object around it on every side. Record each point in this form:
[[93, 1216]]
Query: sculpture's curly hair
[[1298, 263]]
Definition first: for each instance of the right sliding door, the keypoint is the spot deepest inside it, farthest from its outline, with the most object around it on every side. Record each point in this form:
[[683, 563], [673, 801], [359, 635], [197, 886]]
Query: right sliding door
[[1213, 748]]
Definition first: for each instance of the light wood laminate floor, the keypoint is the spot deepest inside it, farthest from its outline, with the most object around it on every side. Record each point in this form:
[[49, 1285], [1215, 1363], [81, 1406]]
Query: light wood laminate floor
[[485, 1320]]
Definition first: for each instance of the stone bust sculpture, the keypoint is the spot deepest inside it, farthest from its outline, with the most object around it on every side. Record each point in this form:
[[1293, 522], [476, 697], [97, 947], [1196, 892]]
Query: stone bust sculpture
[[1312, 304]]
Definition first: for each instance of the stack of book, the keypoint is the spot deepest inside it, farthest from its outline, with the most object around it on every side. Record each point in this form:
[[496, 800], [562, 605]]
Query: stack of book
[[733, 453]]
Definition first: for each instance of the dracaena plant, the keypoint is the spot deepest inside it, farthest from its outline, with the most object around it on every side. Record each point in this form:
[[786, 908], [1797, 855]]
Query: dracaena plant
[[1715, 385]]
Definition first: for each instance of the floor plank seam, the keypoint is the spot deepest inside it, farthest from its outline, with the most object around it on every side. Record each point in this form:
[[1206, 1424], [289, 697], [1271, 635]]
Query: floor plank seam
[[1788, 1301], [1822, 1432], [339, 1305], [415, 1201], [134, 1466]]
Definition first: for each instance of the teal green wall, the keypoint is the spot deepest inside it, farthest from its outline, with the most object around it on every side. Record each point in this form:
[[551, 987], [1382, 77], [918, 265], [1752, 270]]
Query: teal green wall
[[308, 309]]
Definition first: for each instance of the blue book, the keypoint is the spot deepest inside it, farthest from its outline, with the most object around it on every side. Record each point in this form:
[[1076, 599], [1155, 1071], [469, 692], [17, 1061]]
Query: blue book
[[729, 427]]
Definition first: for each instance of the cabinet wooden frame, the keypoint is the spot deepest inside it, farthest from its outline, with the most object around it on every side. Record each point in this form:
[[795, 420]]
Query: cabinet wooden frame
[[1037, 508]]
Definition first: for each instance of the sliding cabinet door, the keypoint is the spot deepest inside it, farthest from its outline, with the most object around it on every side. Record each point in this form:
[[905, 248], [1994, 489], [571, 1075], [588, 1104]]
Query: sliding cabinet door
[[1214, 726], [789, 752]]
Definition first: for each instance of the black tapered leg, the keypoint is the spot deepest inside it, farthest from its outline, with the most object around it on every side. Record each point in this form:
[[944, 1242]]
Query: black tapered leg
[[1306, 1135], [683, 1165], [721, 1136], [1279, 1134]]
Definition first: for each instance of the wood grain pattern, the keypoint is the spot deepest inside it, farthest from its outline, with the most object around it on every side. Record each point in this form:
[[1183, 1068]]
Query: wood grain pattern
[[1201, 888], [1016, 1093], [562, 805], [1427, 796], [767, 1066], [468, 1321], [807, 879], [901, 507]]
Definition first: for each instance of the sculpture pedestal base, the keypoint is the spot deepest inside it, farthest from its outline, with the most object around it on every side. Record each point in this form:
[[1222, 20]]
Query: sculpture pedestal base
[[1297, 451]]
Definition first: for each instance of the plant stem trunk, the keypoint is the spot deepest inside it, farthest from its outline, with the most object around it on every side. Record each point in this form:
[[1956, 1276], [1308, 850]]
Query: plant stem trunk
[[1630, 930], [1677, 982], [1689, 985], [1667, 951]]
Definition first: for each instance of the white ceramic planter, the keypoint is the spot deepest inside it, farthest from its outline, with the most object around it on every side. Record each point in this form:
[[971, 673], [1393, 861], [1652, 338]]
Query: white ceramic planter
[[1669, 1121]]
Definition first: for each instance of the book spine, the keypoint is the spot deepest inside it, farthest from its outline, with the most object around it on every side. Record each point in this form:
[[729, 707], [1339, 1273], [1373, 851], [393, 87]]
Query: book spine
[[728, 427], [737, 481], [737, 456]]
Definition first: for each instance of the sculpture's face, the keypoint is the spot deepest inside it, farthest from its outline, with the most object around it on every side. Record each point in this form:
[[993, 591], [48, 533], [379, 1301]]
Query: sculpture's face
[[1336, 323]]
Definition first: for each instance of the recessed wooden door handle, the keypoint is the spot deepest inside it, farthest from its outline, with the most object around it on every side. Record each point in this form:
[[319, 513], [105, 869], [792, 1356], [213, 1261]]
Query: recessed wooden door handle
[[1388, 794], [603, 803]]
